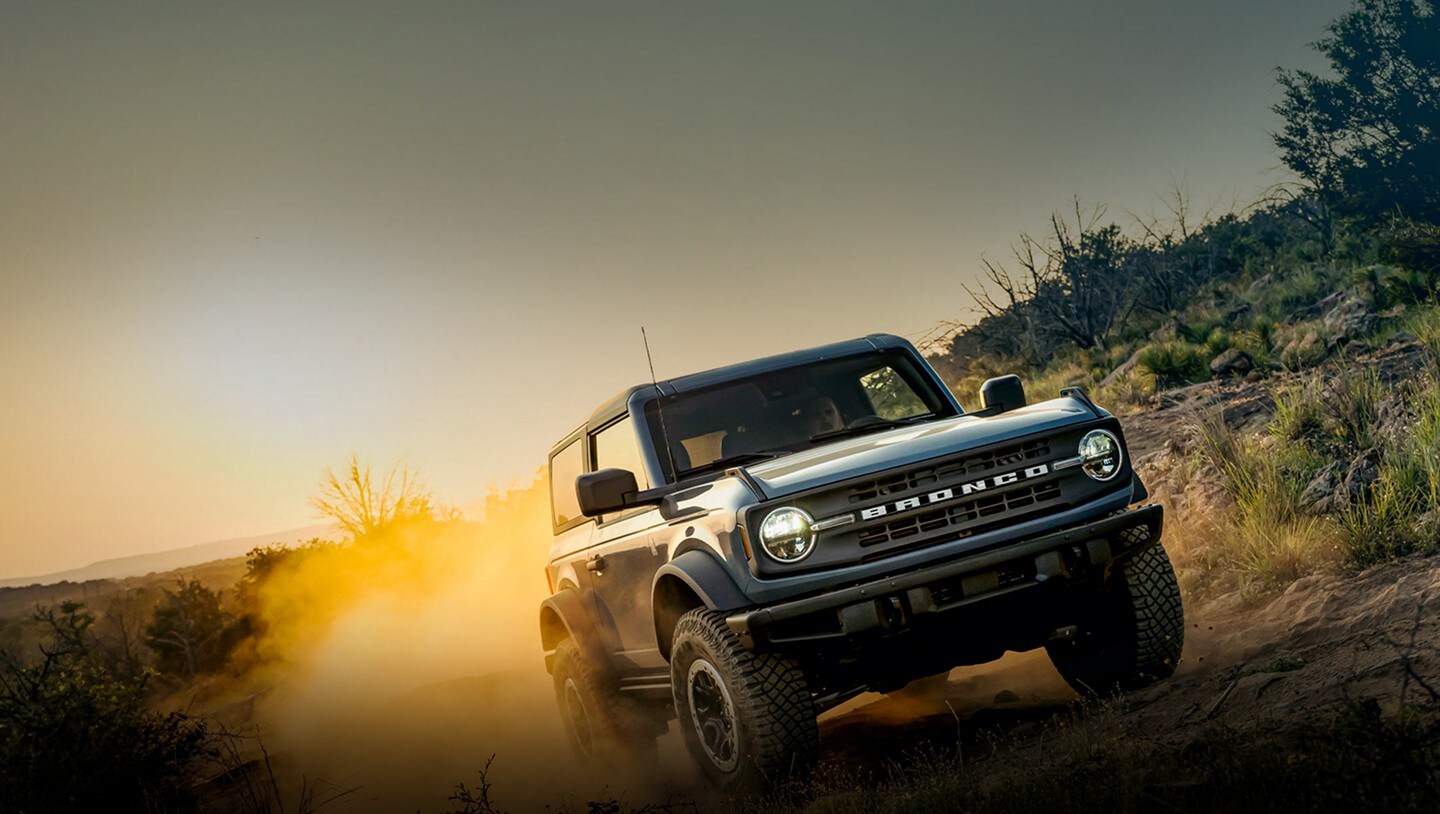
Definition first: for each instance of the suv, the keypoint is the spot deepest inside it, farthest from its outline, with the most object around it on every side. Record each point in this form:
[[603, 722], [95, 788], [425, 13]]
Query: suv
[[745, 548]]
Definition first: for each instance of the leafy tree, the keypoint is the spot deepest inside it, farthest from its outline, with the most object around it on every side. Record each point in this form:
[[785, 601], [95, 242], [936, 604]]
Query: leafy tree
[[361, 503], [1367, 140], [190, 632]]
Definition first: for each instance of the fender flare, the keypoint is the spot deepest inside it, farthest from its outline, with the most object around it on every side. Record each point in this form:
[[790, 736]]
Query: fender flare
[[567, 608], [706, 577]]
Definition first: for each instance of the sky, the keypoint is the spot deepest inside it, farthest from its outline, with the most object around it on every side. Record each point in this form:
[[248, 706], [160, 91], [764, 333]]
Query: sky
[[241, 241]]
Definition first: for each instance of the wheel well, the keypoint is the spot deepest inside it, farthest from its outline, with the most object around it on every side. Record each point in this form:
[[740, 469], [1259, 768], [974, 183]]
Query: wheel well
[[552, 629], [673, 599]]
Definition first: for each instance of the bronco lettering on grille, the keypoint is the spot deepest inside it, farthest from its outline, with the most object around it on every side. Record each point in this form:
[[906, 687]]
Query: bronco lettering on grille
[[951, 493]]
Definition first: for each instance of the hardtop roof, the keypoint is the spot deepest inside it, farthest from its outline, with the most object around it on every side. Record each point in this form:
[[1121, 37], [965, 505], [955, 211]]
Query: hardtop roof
[[619, 403]]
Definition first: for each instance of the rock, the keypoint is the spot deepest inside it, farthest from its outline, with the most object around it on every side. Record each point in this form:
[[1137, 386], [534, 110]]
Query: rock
[[1304, 351], [1236, 311], [1361, 475], [1233, 362], [1350, 319], [1256, 375], [1006, 697], [1401, 337], [1169, 331], [1262, 283], [1125, 367], [1355, 347], [1319, 495]]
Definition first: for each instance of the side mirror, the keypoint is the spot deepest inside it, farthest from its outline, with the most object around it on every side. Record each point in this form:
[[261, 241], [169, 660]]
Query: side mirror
[[1002, 394], [606, 491]]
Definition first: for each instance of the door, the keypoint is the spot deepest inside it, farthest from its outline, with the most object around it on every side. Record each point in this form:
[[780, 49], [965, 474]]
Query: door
[[626, 552]]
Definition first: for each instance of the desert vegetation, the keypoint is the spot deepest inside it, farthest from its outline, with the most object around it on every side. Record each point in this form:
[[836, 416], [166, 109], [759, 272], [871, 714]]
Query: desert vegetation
[[1281, 366]]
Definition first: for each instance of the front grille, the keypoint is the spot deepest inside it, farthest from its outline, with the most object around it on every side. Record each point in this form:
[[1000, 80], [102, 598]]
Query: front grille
[[966, 513], [921, 477]]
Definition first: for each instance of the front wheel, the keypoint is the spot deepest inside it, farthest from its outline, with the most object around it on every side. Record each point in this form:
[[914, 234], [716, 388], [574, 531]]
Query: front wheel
[[1136, 634], [747, 718]]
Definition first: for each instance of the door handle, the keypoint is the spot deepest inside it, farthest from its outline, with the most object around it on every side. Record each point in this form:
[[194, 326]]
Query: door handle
[[595, 564]]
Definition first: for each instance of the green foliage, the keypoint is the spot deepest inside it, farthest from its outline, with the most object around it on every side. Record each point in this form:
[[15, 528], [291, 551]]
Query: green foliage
[[191, 633], [1175, 363], [74, 737], [1368, 139], [1266, 539]]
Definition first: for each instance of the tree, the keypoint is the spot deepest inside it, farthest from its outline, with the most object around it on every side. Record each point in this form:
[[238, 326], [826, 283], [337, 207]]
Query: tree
[[190, 632], [1073, 286], [1367, 141], [361, 504]]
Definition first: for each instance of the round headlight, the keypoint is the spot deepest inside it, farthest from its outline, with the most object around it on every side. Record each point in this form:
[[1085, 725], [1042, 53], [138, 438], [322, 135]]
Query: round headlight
[[787, 535], [1100, 454]]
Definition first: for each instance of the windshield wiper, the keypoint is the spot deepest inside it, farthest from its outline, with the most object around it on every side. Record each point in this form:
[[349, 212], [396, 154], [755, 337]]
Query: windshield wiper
[[864, 425], [721, 463]]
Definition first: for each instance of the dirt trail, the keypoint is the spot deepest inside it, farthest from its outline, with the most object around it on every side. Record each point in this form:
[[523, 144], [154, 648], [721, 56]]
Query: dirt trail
[[1327, 640]]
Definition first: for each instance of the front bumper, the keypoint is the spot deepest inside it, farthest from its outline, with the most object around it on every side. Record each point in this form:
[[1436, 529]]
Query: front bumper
[[1079, 554]]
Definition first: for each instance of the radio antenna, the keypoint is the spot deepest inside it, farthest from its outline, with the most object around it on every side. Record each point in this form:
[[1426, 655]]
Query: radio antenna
[[659, 405]]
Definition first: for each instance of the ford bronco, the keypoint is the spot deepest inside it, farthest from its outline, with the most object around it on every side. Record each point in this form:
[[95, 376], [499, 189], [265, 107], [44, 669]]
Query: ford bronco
[[744, 548]]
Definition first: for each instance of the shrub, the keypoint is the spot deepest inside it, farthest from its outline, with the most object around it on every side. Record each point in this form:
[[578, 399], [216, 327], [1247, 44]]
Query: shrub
[[1175, 363]]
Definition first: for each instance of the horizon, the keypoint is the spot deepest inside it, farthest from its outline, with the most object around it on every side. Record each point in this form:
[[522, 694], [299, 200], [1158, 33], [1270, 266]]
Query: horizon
[[242, 243]]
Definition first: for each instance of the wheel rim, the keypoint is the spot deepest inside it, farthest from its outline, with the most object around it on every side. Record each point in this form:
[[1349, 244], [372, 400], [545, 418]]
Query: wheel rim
[[578, 717], [713, 715]]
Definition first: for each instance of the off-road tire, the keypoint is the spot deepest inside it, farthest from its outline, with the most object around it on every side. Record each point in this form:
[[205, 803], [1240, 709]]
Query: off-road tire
[[1134, 637], [775, 736], [618, 729]]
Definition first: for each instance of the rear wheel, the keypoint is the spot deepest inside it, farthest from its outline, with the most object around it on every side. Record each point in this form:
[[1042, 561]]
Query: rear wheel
[[747, 718], [1136, 634], [600, 725]]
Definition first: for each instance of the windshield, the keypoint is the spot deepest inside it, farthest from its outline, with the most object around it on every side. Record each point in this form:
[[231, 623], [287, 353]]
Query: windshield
[[791, 409]]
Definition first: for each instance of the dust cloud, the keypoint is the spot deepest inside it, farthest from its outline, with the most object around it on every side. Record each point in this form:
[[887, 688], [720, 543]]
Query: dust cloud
[[395, 666]]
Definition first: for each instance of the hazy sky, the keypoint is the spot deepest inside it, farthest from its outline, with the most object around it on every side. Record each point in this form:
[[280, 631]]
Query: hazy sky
[[239, 241]]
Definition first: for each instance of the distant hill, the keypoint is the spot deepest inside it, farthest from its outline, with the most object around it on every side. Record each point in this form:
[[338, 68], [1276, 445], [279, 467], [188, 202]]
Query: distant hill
[[143, 564]]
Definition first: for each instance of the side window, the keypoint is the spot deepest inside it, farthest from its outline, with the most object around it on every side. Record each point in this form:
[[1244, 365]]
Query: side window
[[565, 466], [890, 396], [617, 448]]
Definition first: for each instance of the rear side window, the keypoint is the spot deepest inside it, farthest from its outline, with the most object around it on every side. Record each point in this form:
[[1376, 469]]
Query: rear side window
[[565, 466]]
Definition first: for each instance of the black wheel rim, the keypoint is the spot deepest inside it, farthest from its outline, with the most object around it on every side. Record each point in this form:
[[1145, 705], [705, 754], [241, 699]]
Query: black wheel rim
[[578, 717], [713, 715]]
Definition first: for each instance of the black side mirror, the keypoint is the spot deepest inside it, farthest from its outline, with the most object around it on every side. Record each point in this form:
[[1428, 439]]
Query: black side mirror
[[607, 490], [1002, 394]]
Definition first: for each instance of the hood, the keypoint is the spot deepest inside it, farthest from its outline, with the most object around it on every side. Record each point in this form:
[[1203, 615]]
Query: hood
[[862, 455]]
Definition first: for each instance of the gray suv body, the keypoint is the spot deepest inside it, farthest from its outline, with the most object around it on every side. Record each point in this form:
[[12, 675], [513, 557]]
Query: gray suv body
[[718, 560]]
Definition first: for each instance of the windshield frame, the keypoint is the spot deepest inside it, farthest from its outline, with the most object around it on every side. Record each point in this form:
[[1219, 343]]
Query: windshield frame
[[937, 400]]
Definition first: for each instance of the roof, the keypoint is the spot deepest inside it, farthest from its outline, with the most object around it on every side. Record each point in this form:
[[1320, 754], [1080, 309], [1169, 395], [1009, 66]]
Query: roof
[[620, 402]]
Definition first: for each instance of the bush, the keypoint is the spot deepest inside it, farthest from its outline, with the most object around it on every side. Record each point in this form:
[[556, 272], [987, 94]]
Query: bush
[[1175, 363], [73, 737]]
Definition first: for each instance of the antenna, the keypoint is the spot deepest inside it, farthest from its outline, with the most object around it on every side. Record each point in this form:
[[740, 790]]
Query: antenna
[[659, 405]]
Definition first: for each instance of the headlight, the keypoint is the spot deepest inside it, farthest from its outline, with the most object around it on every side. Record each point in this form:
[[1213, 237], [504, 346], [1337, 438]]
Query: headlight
[[1100, 454], [787, 535]]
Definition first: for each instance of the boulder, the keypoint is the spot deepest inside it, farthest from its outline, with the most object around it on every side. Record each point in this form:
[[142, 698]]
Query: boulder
[[1361, 475], [1169, 330], [1256, 375], [1263, 282], [1125, 367], [1350, 319], [1233, 362], [1355, 347], [1319, 495]]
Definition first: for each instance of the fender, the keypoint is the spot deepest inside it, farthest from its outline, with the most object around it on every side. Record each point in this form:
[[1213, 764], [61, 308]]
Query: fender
[[706, 577], [1138, 492], [575, 622]]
